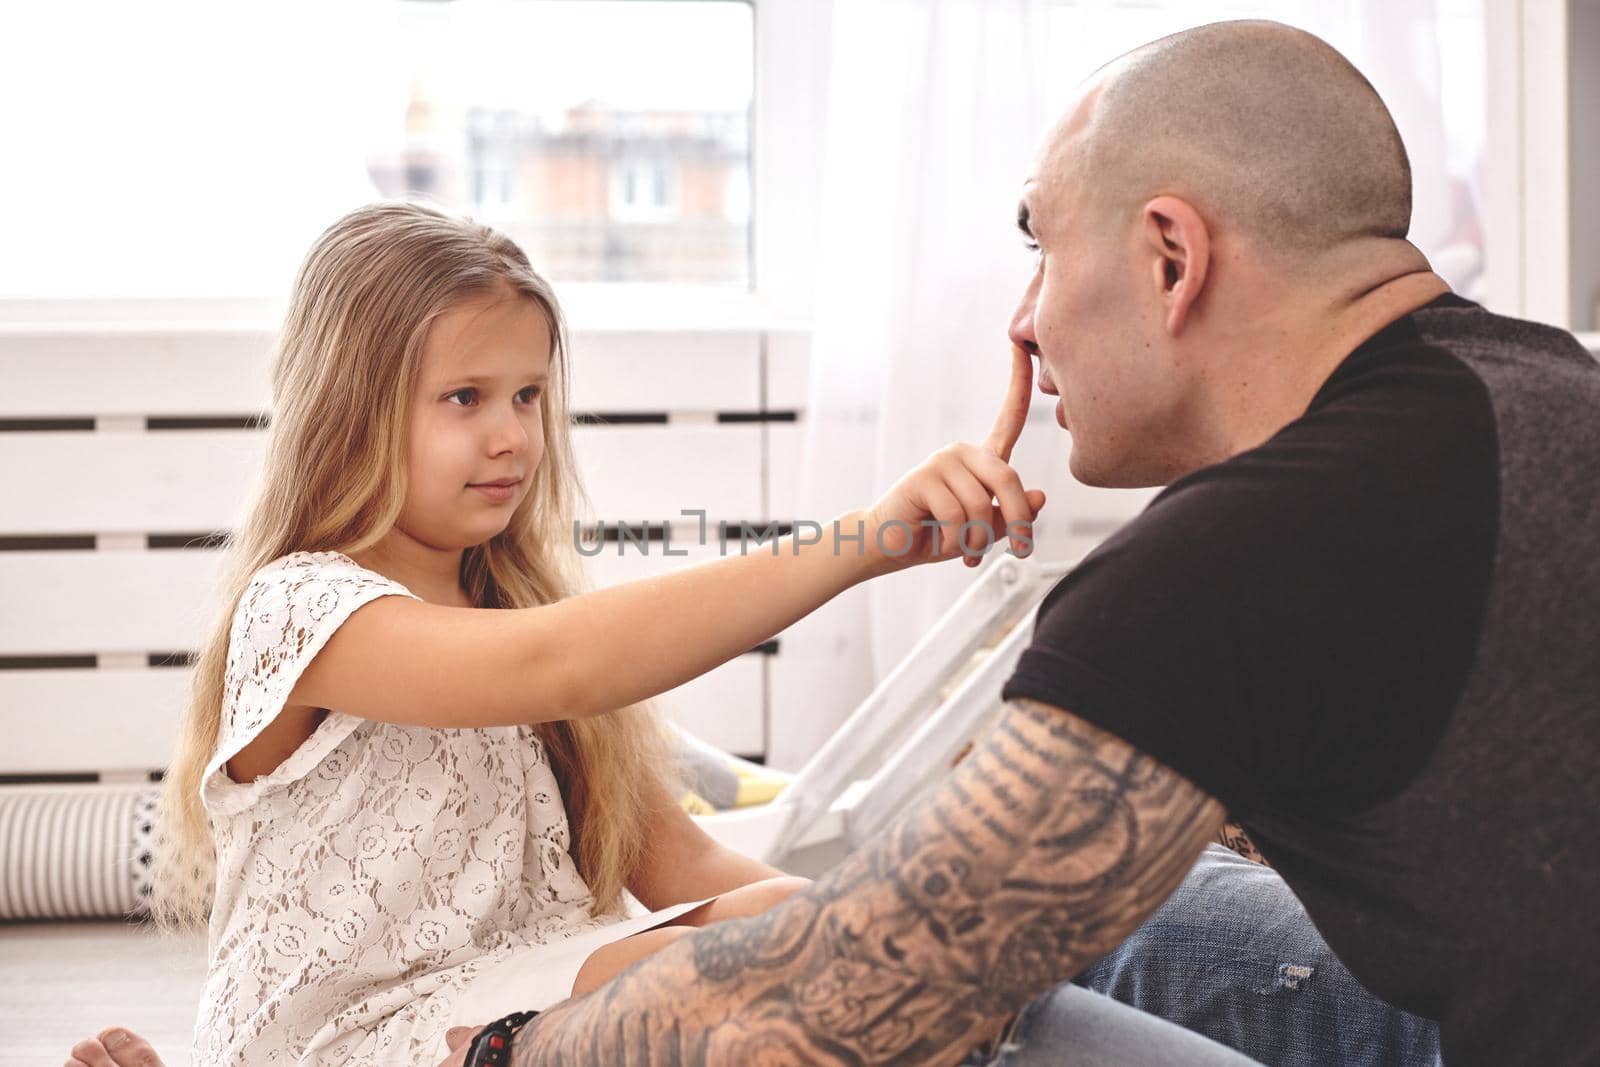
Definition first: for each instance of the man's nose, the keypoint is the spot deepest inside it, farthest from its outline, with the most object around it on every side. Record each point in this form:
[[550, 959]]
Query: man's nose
[[1021, 334], [1021, 328]]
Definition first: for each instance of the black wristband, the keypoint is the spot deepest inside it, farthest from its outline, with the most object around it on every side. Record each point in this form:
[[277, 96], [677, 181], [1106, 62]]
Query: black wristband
[[492, 1046]]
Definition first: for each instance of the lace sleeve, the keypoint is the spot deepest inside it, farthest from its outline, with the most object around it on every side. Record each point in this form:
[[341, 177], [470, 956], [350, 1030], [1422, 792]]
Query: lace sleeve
[[287, 613]]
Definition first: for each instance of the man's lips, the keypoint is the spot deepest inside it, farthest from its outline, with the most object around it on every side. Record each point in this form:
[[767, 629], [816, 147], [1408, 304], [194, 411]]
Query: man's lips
[[1048, 388]]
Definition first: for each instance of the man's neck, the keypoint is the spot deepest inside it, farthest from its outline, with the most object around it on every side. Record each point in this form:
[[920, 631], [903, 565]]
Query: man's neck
[[1305, 342]]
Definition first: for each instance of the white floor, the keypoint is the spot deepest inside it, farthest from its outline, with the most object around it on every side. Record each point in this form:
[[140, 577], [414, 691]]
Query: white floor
[[60, 982]]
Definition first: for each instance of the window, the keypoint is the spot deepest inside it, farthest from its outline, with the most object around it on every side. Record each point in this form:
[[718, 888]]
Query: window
[[643, 190], [194, 149]]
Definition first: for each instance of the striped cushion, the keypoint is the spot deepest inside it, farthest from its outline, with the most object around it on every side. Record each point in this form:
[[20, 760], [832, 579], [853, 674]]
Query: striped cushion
[[75, 852]]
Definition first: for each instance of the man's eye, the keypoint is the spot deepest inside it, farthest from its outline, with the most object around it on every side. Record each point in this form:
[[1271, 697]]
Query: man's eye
[[462, 392]]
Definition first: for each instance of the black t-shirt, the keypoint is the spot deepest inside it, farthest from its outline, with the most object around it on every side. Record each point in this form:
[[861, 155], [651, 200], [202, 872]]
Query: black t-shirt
[[1376, 639]]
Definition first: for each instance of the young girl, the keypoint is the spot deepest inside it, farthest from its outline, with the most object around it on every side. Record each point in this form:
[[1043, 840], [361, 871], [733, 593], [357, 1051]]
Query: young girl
[[417, 774]]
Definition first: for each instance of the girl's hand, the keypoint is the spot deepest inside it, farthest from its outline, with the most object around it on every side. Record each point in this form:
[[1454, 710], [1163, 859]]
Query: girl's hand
[[970, 492], [458, 1039]]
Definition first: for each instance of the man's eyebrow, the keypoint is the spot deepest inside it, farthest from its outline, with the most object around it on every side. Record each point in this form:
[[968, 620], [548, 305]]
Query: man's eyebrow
[[1022, 220]]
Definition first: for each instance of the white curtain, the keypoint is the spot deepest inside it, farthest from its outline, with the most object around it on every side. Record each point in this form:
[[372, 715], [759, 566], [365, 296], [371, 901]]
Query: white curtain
[[933, 108], [936, 108]]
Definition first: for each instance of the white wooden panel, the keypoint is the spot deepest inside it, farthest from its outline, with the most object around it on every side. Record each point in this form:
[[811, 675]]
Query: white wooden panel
[[785, 456], [199, 480], [89, 371], [666, 371], [55, 603], [125, 482], [90, 720], [724, 706], [788, 361], [96, 602], [638, 473], [127, 371], [127, 720]]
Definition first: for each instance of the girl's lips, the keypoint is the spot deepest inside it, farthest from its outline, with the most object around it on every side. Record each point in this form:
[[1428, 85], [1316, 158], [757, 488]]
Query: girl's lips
[[498, 493]]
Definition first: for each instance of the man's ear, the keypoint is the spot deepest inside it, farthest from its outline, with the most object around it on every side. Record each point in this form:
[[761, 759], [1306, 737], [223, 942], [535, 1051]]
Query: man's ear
[[1179, 247]]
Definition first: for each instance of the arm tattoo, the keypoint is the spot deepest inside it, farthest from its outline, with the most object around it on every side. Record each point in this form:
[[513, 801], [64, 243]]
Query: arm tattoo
[[1046, 847], [1233, 836]]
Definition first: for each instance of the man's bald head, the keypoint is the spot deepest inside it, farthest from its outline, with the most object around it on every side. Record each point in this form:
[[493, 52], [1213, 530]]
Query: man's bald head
[[1263, 128]]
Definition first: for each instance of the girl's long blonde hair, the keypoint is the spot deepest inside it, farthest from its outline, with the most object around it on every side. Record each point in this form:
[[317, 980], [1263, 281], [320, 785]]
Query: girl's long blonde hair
[[344, 370]]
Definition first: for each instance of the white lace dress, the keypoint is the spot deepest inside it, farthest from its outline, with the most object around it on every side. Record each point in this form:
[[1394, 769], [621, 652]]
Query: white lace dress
[[365, 883]]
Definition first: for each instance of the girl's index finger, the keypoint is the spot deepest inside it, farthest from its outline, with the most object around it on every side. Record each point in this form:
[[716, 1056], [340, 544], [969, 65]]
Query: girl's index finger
[[1014, 411]]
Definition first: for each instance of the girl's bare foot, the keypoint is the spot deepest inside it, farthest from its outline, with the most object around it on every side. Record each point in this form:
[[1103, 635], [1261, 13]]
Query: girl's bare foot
[[115, 1047]]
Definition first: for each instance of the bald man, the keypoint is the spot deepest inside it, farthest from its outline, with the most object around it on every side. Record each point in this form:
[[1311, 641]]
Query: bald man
[[1360, 618]]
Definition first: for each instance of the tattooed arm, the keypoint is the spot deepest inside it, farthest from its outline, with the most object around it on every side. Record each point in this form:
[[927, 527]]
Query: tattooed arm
[[1233, 836], [1047, 846]]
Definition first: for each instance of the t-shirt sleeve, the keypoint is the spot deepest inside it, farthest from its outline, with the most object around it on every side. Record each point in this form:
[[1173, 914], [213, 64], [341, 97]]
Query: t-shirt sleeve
[[1293, 625], [287, 613]]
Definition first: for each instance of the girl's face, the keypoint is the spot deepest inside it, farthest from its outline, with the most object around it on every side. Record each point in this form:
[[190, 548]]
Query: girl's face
[[476, 419]]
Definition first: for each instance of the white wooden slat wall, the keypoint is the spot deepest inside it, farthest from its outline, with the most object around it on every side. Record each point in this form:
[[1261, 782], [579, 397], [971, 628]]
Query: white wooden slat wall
[[87, 610], [95, 502]]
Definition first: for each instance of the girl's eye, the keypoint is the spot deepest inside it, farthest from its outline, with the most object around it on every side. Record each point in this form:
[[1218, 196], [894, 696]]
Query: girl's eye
[[1032, 246], [472, 394]]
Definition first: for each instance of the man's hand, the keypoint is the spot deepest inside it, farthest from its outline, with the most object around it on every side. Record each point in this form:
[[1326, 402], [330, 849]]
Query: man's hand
[[970, 491]]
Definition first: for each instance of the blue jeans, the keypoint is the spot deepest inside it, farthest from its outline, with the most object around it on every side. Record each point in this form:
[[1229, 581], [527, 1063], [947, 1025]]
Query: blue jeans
[[1232, 956], [1072, 1027]]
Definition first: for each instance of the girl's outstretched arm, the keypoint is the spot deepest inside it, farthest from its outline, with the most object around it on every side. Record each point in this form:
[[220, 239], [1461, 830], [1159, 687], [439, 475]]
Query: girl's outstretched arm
[[400, 660]]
